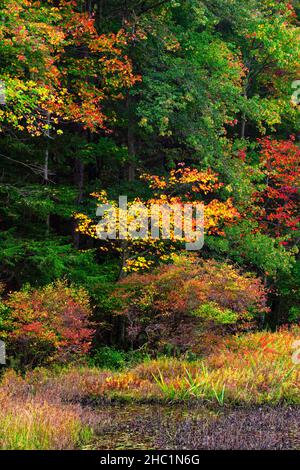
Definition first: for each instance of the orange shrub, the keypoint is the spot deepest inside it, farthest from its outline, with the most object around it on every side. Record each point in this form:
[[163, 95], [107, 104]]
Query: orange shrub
[[47, 324], [176, 304]]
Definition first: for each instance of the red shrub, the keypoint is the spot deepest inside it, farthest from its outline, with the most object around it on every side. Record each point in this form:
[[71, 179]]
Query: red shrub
[[179, 304], [47, 324]]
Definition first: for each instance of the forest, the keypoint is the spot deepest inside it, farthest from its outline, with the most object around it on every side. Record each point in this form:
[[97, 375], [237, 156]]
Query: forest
[[112, 338]]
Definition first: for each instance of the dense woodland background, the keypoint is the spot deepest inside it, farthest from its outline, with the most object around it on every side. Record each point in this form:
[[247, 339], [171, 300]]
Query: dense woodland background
[[99, 93]]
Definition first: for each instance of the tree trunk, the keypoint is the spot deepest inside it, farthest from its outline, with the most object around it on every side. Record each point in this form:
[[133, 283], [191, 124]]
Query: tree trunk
[[243, 128], [79, 181], [46, 167], [130, 142], [245, 94]]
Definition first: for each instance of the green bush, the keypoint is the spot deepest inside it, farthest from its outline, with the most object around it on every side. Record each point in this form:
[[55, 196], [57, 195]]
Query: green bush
[[108, 358]]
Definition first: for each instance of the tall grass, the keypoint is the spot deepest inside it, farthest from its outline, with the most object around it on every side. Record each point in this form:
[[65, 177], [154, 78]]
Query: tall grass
[[256, 368], [36, 413], [31, 425]]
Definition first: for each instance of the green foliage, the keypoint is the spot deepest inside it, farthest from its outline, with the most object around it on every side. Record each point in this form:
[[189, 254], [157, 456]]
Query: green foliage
[[289, 296], [41, 262], [194, 88], [294, 314], [212, 312], [247, 246], [108, 358]]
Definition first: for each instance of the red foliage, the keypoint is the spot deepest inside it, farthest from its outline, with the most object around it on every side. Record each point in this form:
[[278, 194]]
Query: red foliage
[[72, 68], [275, 205], [279, 200], [177, 304], [47, 324]]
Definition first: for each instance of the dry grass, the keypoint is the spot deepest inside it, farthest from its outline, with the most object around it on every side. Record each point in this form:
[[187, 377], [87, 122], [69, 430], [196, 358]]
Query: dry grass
[[252, 369], [33, 425], [44, 409], [36, 412]]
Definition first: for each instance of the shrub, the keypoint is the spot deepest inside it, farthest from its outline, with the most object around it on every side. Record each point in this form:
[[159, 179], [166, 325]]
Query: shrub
[[178, 306], [47, 324], [108, 358]]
